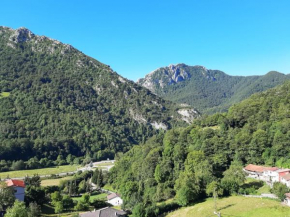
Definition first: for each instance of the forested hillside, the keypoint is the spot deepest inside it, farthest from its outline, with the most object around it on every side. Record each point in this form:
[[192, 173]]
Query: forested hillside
[[188, 163], [55, 101], [209, 91]]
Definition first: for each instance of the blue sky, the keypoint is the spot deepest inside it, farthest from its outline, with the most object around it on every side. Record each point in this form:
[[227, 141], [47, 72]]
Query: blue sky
[[239, 37]]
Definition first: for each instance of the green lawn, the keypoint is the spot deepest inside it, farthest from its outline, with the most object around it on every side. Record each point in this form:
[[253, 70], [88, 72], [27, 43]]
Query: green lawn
[[44, 171], [102, 196], [235, 206], [264, 190], [105, 164], [108, 187], [52, 182], [4, 94]]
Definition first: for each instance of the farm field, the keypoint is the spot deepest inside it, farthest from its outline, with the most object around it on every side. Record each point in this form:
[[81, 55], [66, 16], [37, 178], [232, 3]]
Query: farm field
[[40, 172], [235, 206]]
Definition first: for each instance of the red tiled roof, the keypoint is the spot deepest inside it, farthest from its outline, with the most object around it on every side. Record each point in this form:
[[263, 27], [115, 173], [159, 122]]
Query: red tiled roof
[[15, 183], [271, 168], [254, 168], [259, 169], [113, 195], [283, 170], [286, 177]]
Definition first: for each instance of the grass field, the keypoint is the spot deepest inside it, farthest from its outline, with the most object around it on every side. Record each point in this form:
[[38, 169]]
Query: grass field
[[108, 187], [51, 182], [4, 94], [264, 190], [45, 171], [105, 164], [102, 196], [235, 206]]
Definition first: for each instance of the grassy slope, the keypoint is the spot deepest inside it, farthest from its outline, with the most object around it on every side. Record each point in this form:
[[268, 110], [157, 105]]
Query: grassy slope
[[45, 171], [235, 206]]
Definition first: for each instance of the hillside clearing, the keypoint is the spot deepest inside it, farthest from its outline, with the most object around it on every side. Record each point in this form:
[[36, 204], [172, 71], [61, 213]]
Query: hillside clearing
[[235, 206], [4, 94]]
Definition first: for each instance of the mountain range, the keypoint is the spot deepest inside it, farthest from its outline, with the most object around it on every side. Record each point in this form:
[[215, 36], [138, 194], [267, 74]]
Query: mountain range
[[208, 91], [57, 101]]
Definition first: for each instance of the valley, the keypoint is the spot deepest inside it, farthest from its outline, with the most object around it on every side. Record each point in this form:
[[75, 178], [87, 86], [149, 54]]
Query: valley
[[178, 137]]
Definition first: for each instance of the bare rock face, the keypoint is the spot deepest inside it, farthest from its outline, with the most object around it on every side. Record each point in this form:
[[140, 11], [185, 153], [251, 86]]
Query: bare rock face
[[188, 114], [164, 76], [21, 35]]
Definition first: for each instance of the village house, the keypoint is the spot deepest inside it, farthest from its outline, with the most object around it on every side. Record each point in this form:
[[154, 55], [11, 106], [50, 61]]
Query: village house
[[114, 199], [105, 212], [269, 175], [278, 174], [255, 171], [286, 180], [19, 188]]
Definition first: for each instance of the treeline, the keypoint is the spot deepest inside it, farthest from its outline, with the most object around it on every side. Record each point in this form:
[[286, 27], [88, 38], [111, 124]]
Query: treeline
[[189, 163]]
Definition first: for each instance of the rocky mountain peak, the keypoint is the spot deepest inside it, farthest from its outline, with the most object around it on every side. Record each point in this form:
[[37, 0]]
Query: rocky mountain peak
[[172, 74], [21, 35]]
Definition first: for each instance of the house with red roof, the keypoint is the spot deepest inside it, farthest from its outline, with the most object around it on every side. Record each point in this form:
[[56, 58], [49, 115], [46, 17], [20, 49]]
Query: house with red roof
[[269, 175], [258, 172], [279, 174], [286, 180], [19, 188]]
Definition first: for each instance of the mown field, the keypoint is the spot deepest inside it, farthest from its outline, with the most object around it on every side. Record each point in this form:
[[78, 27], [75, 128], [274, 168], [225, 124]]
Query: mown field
[[102, 196], [52, 182], [104, 164], [44, 171], [235, 206]]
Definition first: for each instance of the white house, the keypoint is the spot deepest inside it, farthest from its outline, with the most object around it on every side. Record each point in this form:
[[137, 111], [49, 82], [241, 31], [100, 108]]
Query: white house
[[286, 180], [19, 188], [254, 171], [115, 199], [270, 174], [278, 174]]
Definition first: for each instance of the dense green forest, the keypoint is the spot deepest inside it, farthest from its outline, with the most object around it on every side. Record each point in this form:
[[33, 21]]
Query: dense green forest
[[56, 101], [209, 91], [188, 163]]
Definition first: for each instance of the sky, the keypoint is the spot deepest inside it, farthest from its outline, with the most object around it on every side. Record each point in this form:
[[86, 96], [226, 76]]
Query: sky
[[239, 37]]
